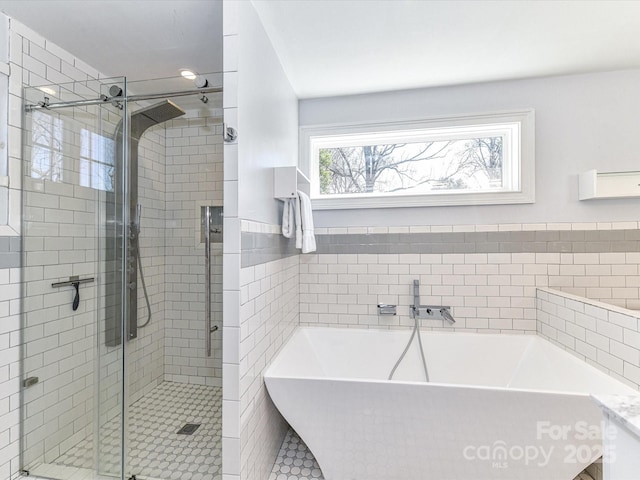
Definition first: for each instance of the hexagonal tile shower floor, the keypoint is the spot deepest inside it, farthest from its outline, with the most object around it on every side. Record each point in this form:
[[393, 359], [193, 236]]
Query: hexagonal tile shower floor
[[156, 449]]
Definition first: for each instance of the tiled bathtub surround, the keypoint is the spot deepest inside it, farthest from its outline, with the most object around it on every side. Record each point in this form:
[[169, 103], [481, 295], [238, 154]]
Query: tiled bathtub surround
[[487, 273], [603, 335]]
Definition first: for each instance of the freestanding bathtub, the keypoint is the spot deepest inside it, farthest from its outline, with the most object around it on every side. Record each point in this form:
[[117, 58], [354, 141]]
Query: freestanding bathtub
[[510, 407]]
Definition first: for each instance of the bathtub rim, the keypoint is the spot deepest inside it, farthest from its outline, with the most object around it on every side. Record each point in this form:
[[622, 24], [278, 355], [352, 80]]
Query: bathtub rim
[[268, 374]]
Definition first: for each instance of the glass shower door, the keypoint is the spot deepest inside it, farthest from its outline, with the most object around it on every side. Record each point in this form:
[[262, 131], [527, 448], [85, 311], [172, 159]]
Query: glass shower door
[[73, 289]]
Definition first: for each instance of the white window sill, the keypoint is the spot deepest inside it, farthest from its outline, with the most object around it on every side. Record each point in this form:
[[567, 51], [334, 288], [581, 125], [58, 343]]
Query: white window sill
[[438, 200]]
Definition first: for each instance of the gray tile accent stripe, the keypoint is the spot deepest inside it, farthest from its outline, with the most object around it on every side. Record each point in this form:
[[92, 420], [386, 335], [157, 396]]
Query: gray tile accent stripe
[[548, 241], [9, 252], [258, 248]]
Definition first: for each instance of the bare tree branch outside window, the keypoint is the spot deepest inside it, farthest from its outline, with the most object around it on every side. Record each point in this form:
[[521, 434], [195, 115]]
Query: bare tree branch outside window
[[46, 148], [468, 164]]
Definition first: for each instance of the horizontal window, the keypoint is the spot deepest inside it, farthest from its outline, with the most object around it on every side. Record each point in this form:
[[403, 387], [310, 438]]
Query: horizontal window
[[472, 160]]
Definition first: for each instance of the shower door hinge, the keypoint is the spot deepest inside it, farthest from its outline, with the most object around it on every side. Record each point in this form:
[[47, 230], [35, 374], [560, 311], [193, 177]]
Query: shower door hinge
[[229, 134]]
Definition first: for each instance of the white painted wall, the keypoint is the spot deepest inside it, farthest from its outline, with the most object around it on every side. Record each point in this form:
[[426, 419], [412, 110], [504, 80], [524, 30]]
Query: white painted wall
[[267, 119], [582, 122]]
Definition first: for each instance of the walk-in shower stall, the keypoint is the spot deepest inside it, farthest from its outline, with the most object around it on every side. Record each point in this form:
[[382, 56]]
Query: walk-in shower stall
[[122, 275]]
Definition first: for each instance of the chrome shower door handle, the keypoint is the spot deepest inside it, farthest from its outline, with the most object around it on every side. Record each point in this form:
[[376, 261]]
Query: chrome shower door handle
[[207, 279]]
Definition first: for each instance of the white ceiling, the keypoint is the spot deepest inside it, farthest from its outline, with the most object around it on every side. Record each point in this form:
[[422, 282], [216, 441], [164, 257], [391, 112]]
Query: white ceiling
[[137, 38], [338, 47]]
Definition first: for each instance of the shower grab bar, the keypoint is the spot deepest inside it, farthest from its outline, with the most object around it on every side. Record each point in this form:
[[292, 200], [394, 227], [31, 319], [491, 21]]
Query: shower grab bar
[[207, 279]]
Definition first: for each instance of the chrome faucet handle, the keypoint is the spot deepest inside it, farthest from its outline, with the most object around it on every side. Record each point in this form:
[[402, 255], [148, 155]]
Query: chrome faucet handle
[[446, 314]]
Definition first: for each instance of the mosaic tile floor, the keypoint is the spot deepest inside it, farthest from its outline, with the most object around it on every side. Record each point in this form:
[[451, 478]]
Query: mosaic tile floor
[[296, 462], [156, 450]]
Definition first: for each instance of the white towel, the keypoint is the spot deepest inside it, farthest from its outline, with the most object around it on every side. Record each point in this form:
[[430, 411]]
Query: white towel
[[287, 218], [297, 212], [306, 214]]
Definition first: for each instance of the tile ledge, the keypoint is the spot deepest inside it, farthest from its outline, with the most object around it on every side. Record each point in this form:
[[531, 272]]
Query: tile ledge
[[596, 303]]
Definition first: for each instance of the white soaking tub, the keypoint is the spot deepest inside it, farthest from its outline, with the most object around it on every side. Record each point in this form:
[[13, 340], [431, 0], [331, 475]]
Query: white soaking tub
[[510, 407]]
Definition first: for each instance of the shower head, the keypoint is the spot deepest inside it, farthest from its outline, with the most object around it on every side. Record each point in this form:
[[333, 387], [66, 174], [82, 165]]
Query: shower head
[[153, 115]]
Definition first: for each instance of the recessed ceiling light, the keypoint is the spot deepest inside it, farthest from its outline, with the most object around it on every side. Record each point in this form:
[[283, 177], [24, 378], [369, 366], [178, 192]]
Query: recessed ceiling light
[[47, 90], [188, 74]]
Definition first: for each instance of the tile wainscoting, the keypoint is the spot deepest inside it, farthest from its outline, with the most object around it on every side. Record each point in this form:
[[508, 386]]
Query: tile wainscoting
[[488, 275]]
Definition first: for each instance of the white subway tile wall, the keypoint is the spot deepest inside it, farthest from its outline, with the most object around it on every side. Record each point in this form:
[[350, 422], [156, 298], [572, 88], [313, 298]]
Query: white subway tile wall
[[268, 317], [146, 352], [9, 371], [194, 178], [487, 291], [61, 226], [231, 255], [600, 334], [58, 341]]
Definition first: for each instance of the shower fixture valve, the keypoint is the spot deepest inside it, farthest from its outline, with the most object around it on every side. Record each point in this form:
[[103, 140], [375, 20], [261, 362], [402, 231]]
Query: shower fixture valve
[[229, 134], [432, 312]]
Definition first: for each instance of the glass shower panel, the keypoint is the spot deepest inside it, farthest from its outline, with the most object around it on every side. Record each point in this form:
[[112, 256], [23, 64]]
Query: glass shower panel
[[174, 397], [73, 216]]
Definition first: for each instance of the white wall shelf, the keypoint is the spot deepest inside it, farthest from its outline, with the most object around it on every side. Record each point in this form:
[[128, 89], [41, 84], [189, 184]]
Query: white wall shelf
[[287, 181], [602, 185]]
